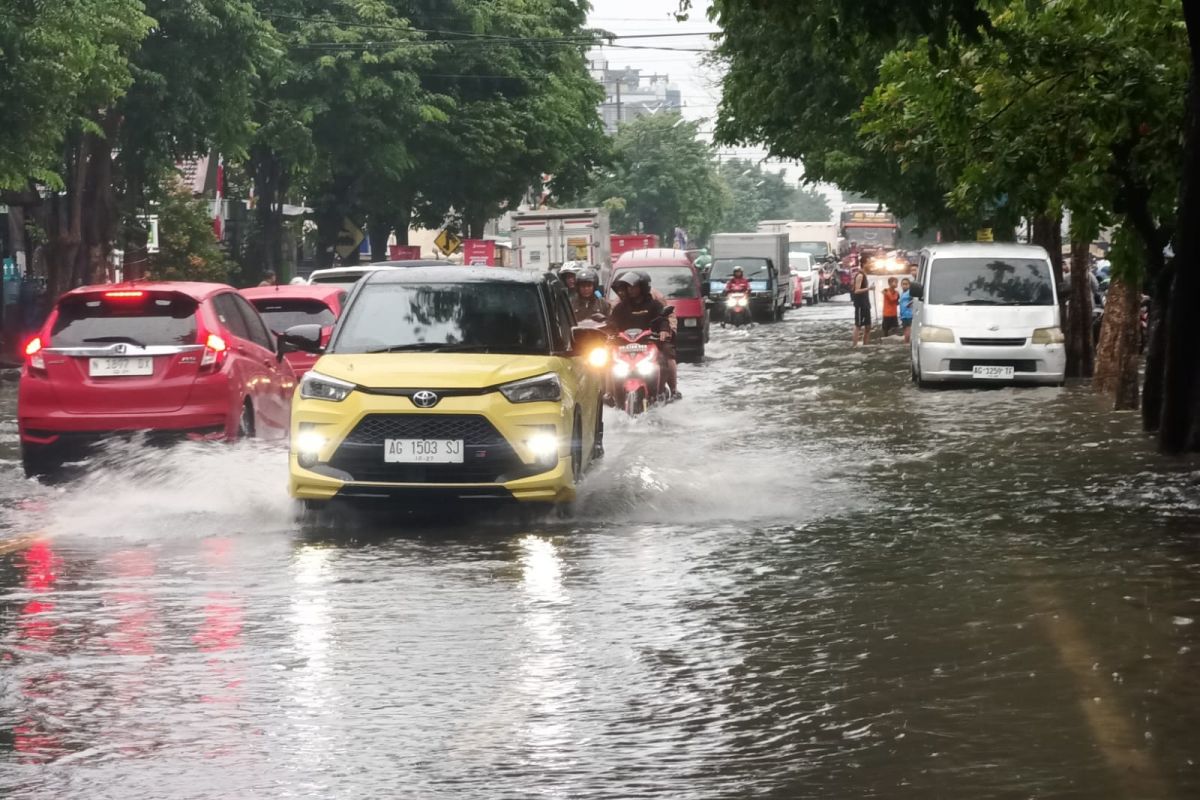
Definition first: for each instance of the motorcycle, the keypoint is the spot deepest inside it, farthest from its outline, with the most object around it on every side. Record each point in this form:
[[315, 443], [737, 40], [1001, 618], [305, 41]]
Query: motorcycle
[[737, 310], [637, 369]]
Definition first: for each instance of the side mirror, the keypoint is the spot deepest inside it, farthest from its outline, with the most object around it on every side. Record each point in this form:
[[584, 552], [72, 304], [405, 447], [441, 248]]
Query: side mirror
[[305, 338], [916, 290]]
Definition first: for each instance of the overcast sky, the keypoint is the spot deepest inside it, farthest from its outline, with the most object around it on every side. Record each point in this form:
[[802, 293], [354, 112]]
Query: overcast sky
[[698, 82]]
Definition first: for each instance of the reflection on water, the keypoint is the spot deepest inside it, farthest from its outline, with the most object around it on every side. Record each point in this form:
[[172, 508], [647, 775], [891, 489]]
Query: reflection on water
[[808, 579]]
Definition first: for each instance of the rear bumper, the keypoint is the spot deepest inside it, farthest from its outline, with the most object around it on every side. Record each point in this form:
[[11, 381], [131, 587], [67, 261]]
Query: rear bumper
[[689, 338], [47, 427]]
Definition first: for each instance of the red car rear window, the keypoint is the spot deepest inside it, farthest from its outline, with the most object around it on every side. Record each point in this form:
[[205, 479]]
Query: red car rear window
[[153, 319], [281, 314]]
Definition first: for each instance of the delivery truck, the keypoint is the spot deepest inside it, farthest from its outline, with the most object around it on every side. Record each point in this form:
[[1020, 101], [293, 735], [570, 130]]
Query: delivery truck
[[545, 240], [763, 258]]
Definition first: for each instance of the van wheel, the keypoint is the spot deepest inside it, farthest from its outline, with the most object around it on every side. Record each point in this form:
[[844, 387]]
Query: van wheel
[[245, 429]]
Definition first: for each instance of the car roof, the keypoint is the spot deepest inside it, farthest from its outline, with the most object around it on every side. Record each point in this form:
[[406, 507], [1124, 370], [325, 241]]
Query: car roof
[[986, 250], [317, 291], [193, 289], [452, 273], [653, 257], [362, 269]]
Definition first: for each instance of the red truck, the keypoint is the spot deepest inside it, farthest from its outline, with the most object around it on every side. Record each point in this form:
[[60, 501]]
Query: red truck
[[625, 242]]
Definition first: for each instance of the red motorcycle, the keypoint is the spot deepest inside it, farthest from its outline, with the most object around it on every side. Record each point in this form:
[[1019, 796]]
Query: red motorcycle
[[637, 364], [737, 310]]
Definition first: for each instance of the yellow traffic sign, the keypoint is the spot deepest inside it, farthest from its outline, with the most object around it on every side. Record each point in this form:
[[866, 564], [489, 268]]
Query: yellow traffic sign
[[984, 235], [349, 238], [447, 242]]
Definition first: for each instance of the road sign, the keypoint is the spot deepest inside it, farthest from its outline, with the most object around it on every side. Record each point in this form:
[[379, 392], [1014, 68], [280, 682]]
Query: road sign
[[447, 242], [151, 223], [348, 238], [984, 235]]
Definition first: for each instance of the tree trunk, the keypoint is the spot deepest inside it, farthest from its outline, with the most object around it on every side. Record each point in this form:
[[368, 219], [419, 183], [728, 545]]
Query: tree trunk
[[1156, 351], [378, 232], [1117, 354], [1080, 363]]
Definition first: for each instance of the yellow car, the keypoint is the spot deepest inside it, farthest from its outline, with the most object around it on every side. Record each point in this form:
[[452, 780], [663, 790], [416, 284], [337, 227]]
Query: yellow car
[[445, 383]]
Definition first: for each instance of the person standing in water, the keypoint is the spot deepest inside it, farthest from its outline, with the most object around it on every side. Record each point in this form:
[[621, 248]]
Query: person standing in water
[[860, 295]]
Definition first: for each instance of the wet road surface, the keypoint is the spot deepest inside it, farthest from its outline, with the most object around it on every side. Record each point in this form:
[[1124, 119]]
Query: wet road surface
[[806, 580]]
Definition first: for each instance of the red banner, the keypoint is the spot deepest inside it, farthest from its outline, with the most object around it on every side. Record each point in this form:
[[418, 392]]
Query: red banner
[[403, 252], [479, 252]]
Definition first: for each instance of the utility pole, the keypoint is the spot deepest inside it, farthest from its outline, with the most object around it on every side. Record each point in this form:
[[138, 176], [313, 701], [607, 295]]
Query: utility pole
[[618, 101]]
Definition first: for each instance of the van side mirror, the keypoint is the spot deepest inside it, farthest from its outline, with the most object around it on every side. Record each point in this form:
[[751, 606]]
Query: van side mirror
[[305, 338], [917, 290]]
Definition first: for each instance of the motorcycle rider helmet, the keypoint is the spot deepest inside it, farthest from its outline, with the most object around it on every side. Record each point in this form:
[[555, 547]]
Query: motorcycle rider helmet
[[643, 279], [586, 275], [738, 272], [624, 279]]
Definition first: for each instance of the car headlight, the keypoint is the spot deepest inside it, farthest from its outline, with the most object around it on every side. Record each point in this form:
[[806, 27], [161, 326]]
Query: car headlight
[[1048, 336], [937, 335], [620, 369], [315, 386], [541, 389], [646, 368]]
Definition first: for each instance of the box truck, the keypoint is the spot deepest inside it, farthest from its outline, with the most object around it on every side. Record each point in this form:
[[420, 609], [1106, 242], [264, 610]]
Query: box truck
[[545, 240], [763, 258]]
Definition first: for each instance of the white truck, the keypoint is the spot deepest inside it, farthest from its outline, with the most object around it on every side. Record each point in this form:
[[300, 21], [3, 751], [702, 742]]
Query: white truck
[[818, 239], [543, 240], [763, 258]]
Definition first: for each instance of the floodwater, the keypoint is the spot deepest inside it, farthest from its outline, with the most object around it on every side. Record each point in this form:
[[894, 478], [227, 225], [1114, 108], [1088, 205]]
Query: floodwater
[[806, 580]]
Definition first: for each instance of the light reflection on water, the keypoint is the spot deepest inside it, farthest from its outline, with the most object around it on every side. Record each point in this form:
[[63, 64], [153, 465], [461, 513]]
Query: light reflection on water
[[805, 580]]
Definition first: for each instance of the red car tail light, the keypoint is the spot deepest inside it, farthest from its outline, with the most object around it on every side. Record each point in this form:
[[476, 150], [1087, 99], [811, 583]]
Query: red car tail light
[[125, 295], [33, 351], [215, 353]]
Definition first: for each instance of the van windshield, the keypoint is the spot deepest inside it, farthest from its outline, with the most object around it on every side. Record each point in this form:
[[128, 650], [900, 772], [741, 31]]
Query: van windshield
[[818, 249], [990, 282], [445, 317], [755, 269], [675, 283]]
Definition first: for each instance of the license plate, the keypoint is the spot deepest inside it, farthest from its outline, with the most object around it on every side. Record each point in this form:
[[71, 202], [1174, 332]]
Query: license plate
[[633, 348], [993, 373], [691, 322], [423, 451], [118, 367]]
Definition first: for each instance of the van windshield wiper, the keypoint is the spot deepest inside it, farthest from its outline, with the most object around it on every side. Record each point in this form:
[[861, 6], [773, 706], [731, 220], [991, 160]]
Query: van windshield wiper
[[985, 303], [115, 340]]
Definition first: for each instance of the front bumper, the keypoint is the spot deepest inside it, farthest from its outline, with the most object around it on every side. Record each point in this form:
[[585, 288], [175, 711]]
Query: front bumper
[[1032, 363], [346, 469]]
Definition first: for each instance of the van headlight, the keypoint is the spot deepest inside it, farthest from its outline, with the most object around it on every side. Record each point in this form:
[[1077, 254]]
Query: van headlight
[[315, 386], [1048, 336], [542, 389], [935, 335]]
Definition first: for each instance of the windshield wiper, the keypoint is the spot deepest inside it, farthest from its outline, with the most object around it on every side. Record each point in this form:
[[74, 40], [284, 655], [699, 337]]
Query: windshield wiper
[[985, 303], [116, 339]]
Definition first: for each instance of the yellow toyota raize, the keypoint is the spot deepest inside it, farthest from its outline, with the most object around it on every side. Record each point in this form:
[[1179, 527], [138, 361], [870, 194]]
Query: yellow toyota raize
[[445, 383]]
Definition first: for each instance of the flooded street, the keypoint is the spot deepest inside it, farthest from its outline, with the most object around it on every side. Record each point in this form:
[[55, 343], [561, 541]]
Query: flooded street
[[806, 580]]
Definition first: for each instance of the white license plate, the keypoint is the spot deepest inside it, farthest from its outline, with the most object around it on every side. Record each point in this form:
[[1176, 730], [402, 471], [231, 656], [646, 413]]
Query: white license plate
[[118, 367], [993, 373], [691, 322], [423, 451]]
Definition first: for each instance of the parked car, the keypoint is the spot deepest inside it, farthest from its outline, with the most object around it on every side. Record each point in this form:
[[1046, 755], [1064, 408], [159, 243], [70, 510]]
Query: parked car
[[452, 382], [986, 313], [346, 277], [802, 265], [673, 274], [185, 359], [284, 307]]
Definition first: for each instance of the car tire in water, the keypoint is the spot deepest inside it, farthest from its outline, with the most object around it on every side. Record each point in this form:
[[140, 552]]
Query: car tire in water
[[37, 463], [245, 427]]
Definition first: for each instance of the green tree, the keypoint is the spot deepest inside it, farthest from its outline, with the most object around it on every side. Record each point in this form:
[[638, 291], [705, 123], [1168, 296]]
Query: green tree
[[810, 205], [754, 195], [662, 176], [188, 251]]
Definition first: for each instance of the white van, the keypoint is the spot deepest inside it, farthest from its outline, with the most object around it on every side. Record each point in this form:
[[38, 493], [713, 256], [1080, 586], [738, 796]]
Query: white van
[[986, 313]]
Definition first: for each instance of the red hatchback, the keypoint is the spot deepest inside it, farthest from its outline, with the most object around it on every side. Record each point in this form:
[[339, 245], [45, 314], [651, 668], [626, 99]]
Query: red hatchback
[[181, 358], [284, 306]]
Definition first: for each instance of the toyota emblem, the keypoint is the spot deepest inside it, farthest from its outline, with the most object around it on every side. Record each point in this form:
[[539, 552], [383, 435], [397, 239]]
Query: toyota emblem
[[425, 399]]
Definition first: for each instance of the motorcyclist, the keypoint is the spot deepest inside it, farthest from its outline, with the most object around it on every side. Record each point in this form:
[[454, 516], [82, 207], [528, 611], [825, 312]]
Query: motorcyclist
[[738, 282], [568, 276], [586, 303], [639, 308]]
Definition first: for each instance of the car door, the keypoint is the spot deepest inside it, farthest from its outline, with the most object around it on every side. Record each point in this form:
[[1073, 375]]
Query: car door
[[585, 384], [276, 398], [246, 367]]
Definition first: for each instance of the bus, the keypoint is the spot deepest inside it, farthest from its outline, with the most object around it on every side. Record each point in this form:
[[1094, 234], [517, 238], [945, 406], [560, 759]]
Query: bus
[[870, 226]]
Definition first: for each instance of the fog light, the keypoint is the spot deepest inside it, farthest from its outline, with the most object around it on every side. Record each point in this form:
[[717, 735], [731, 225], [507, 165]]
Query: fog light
[[308, 448], [544, 446]]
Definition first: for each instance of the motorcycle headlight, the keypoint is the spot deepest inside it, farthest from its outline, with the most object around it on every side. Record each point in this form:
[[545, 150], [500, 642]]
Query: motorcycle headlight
[[937, 335], [1048, 336], [731, 302], [541, 389], [315, 386], [646, 368], [620, 369]]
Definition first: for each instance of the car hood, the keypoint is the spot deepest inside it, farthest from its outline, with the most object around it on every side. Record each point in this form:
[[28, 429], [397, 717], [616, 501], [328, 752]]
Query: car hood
[[434, 370], [992, 320]]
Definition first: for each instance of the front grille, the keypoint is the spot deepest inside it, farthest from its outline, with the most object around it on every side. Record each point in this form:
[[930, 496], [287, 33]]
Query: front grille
[[993, 342], [487, 457], [969, 364]]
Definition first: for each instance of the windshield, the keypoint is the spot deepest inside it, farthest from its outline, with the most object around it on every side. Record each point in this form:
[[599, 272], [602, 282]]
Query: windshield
[[675, 283], [756, 269], [283, 314], [95, 321], [819, 249], [872, 237], [990, 281], [458, 317], [800, 264]]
